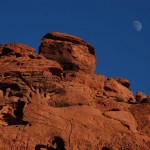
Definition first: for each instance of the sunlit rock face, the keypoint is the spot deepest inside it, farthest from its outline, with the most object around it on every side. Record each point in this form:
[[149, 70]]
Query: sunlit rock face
[[71, 52], [55, 101]]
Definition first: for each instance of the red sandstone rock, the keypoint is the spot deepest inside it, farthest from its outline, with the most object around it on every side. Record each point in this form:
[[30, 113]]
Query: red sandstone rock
[[70, 51], [141, 113], [45, 106], [140, 96], [124, 117], [123, 81], [17, 50], [119, 91], [110, 104], [72, 94]]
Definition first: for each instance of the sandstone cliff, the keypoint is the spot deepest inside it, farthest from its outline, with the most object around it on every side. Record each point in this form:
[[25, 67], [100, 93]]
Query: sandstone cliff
[[54, 100]]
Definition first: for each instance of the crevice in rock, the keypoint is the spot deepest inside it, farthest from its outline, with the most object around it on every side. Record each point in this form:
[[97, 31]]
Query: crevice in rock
[[20, 63], [58, 142], [17, 118], [40, 146], [56, 71], [44, 94], [17, 54], [64, 75], [69, 66], [91, 50], [115, 109], [31, 56], [10, 90], [27, 83], [19, 113], [69, 50], [106, 88], [145, 101], [106, 148], [40, 91], [127, 126], [59, 104], [6, 52], [80, 104], [30, 95]]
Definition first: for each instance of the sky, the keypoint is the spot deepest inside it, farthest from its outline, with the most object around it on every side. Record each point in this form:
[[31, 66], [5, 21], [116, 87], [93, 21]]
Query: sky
[[122, 49]]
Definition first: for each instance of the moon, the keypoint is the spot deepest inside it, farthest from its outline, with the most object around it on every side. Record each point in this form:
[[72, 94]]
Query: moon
[[137, 25]]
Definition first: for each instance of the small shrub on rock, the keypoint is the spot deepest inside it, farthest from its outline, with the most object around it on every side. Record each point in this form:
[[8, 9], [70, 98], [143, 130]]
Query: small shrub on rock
[[119, 99]]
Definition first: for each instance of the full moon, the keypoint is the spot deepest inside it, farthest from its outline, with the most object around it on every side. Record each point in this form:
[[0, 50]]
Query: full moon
[[137, 25]]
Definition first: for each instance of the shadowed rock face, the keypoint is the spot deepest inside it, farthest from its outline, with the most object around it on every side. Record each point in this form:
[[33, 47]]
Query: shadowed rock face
[[56, 102], [71, 52]]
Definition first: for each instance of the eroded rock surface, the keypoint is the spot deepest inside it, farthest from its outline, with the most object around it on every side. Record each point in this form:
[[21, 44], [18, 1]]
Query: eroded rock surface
[[71, 52], [56, 102]]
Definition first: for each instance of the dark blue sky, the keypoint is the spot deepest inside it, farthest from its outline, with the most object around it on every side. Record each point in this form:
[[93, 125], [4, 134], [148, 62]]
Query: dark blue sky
[[106, 24]]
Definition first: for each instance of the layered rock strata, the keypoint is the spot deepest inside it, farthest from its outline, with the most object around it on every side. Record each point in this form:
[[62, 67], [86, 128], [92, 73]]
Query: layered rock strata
[[55, 101]]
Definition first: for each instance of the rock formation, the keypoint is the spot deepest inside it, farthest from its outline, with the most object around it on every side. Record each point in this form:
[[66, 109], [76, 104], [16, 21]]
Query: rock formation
[[54, 100], [70, 51]]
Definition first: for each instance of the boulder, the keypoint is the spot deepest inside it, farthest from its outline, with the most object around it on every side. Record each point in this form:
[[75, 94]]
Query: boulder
[[126, 118], [124, 82], [120, 92], [140, 96], [71, 52]]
